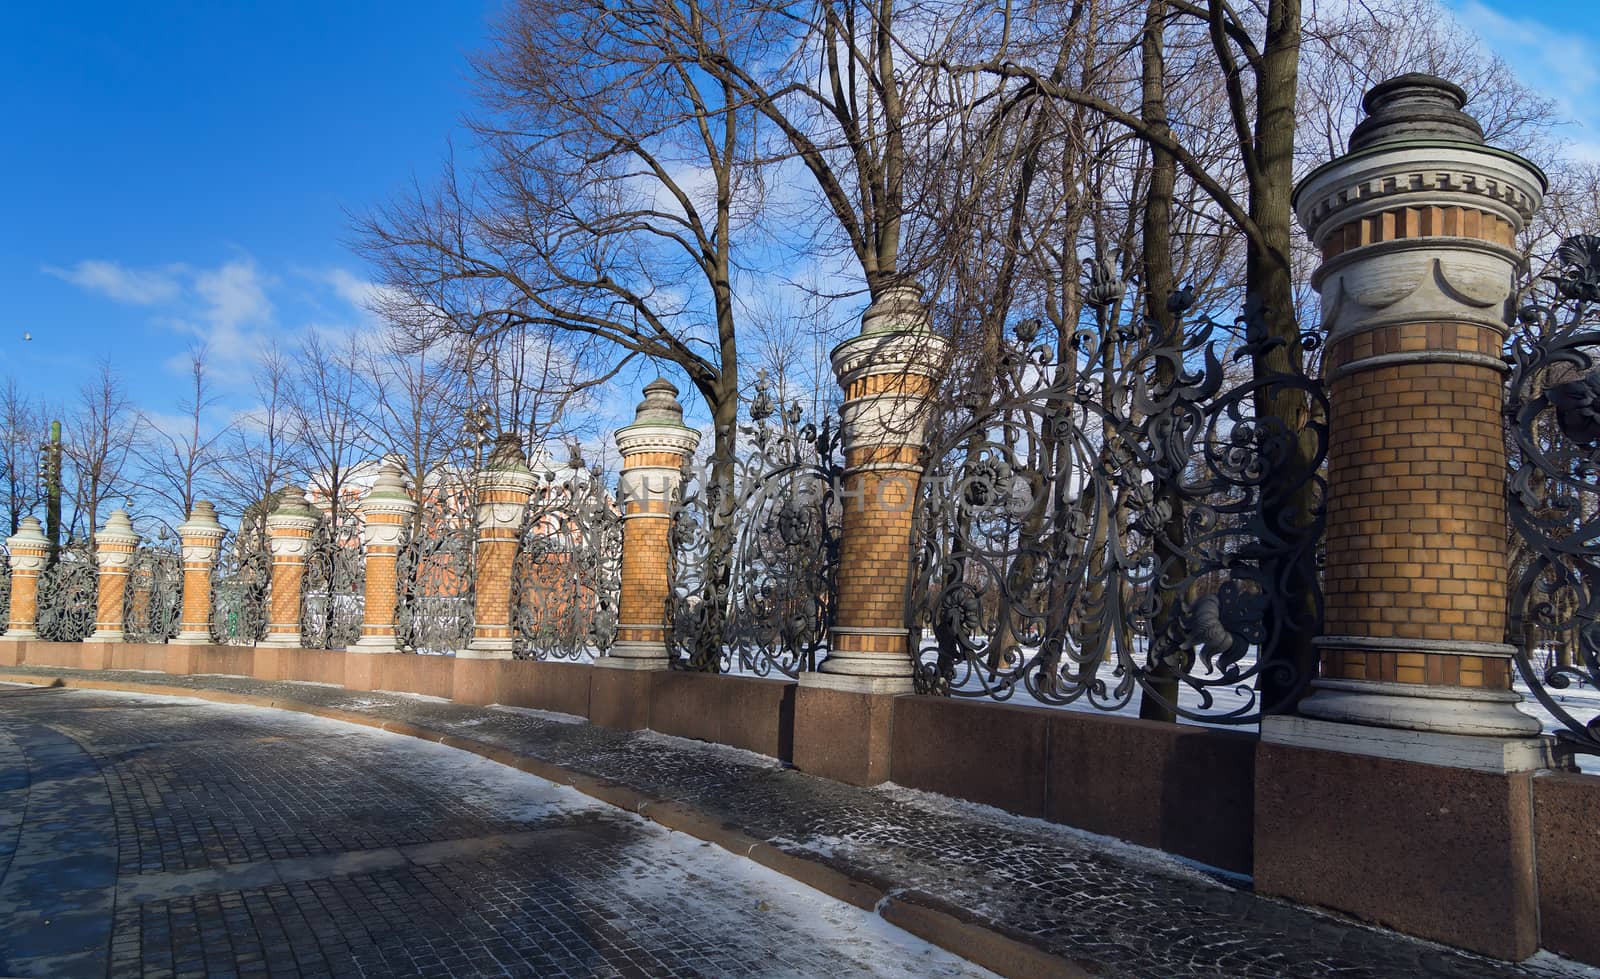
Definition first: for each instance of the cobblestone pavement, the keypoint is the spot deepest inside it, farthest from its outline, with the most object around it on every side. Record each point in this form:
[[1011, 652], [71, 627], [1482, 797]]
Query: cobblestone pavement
[[1117, 910], [157, 836]]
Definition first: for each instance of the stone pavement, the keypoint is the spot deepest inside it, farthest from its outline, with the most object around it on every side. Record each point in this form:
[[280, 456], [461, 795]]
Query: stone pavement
[[1106, 908], [160, 836]]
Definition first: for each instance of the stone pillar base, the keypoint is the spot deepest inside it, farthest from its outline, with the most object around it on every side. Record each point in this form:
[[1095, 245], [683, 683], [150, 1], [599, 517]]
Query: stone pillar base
[[281, 641], [634, 655], [1467, 711], [1440, 851], [375, 644], [196, 638], [487, 649], [107, 635], [864, 660], [842, 734], [20, 634]]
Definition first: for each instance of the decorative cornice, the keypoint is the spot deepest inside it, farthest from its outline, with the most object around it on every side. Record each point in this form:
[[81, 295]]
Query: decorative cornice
[[656, 437], [1405, 173], [917, 353]]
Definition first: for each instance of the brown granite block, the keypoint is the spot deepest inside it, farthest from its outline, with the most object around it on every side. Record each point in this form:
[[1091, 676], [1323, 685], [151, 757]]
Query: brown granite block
[[1442, 853], [620, 699], [843, 736], [982, 752], [1566, 812], [1175, 787]]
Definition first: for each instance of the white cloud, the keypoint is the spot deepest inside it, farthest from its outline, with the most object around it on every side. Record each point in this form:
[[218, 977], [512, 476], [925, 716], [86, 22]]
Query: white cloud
[[1563, 64], [138, 287]]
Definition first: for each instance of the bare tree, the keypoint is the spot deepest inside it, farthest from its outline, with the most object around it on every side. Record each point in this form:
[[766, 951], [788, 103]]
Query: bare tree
[[328, 412], [22, 428], [261, 451], [178, 458], [98, 445]]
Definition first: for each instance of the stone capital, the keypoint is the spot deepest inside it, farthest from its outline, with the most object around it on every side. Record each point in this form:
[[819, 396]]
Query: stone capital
[[201, 534], [654, 437], [28, 547]]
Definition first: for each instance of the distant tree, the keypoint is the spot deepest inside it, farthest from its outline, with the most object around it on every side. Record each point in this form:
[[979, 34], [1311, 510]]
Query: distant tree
[[178, 458]]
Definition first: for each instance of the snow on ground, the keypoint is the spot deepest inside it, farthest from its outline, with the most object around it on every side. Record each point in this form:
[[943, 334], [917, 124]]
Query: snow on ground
[[728, 894], [1156, 861]]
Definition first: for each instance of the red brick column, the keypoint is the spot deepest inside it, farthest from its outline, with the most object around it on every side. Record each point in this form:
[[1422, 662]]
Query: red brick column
[[30, 550], [384, 512], [503, 489], [843, 711], [289, 530], [201, 537], [888, 374], [114, 547], [1418, 246], [653, 450], [1403, 794]]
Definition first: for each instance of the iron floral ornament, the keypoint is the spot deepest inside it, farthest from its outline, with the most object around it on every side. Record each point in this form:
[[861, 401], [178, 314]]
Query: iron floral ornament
[[1553, 491]]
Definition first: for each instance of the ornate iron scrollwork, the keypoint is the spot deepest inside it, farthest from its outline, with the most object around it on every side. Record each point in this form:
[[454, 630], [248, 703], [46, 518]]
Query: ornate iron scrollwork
[[153, 600], [434, 574], [68, 595], [5, 585], [755, 548], [567, 578], [333, 593], [1553, 493], [1124, 519], [240, 582]]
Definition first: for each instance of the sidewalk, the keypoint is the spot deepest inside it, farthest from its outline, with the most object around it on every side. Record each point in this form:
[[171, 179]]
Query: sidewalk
[[990, 886]]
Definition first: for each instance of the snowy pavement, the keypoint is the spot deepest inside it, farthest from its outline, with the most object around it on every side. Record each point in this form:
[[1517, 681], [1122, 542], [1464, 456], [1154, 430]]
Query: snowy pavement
[[237, 840], [1110, 908]]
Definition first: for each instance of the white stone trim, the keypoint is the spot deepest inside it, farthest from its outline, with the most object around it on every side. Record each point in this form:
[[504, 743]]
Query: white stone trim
[[652, 437], [1469, 711], [1398, 174], [1419, 357], [918, 353], [648, 484], [1401, 644], [1402, 286], [1498, 755]]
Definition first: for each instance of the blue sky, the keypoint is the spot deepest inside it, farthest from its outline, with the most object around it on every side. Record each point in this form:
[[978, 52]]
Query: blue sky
[[177, 172], [184, 175]]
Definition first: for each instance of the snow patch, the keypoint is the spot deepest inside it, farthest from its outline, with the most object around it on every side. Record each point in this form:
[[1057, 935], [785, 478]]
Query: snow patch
[[553, 716], [741, 755], [1167, 864]]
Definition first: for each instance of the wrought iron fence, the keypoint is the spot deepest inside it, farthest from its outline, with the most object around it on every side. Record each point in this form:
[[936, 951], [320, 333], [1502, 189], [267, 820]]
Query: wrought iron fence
[[567, 578], [152, 603], [434, 574], [68, 591], [1117, 516], [240, 581], [5, 586], [1553, 493], [755, 548], [333, 591]]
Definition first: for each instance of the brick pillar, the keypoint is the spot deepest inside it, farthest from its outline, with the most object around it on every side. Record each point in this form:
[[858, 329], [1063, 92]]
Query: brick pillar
[[114, 547], [201, 536], [29, 552], [289, 530], [653, 451], [503, 489], [1402, 794], [1417, 225], [384, 512], [889, 374]]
